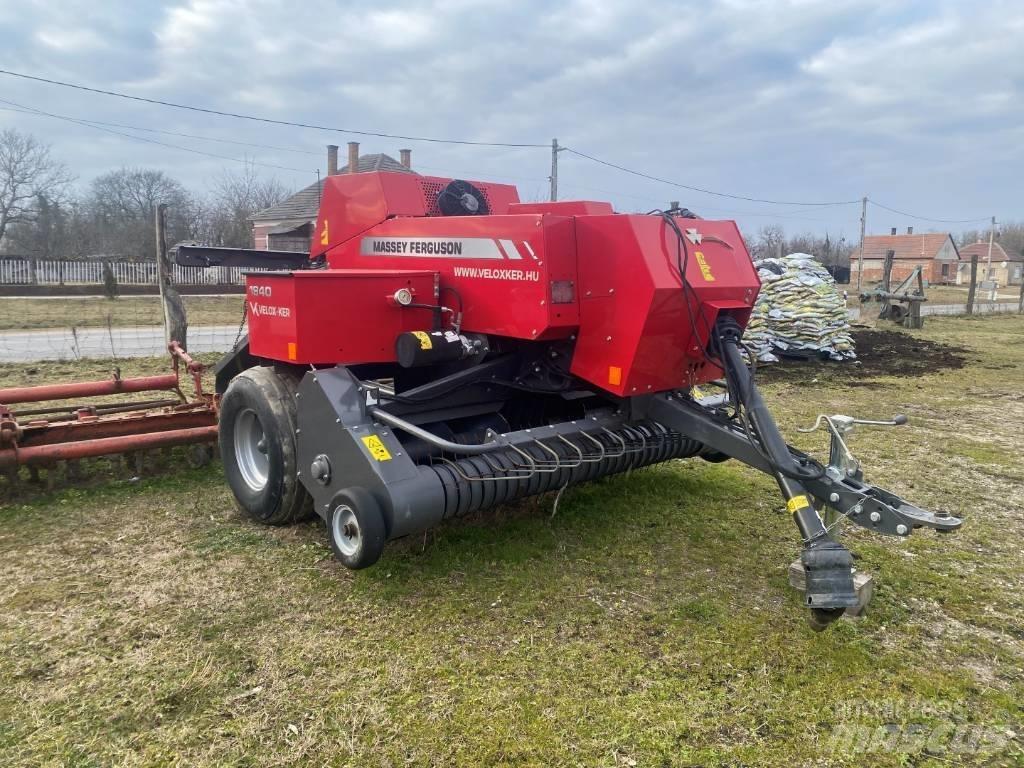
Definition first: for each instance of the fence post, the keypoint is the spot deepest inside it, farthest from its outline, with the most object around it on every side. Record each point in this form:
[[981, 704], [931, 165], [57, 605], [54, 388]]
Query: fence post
[[1020, 303], [974, 280], [175, 323]]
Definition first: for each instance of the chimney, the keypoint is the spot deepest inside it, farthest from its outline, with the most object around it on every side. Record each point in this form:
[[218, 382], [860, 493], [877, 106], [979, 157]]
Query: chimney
[[353, 157], [910, 230], [332, 159], [406, 158], [893, 232]]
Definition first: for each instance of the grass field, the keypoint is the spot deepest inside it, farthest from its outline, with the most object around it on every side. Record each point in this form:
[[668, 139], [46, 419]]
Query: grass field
[[648, 623], [67, 312]]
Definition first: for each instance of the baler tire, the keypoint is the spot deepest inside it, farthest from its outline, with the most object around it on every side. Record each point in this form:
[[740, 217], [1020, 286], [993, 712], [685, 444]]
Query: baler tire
[[356, 529], [261, 401]]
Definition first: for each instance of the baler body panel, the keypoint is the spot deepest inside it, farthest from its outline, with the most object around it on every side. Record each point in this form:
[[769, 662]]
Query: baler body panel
[[528, 271], [333, 315], [639, 330], [353, 203], [515, 274]]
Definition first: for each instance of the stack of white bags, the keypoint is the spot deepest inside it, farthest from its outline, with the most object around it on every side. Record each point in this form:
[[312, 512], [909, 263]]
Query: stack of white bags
[[799, 312]]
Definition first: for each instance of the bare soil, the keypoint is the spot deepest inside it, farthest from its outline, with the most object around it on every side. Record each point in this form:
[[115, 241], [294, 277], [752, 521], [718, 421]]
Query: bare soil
[[879, 353]]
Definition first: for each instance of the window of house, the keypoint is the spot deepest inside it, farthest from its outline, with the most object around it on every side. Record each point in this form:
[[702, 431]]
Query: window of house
[[945, 270]]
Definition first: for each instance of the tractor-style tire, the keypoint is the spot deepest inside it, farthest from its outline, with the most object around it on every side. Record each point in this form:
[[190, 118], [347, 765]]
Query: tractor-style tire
[[257, 446], [355, 526]]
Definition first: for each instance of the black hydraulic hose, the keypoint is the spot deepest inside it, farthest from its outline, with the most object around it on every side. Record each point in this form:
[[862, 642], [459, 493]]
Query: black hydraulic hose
[[772, 441], [788, 473]]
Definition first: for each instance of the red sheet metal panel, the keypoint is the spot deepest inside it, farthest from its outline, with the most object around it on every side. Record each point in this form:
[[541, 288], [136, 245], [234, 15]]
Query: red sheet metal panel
[[516, 275], [353, 203], [637, 332], [331, 316]]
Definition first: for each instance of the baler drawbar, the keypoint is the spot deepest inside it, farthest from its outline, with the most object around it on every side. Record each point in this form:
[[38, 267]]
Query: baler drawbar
[[446, 348]]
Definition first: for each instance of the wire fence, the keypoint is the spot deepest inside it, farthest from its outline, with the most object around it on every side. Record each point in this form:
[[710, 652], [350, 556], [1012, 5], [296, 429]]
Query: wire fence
[[39, 328]]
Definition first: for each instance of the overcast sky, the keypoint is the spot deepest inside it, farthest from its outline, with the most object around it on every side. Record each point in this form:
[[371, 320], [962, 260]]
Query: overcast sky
[[919, 105]]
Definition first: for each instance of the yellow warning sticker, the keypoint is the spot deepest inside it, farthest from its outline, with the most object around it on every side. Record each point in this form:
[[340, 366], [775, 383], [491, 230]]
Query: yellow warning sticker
[[705, 268], [325, 238], [424, 337], [376, 448], [797, 502]]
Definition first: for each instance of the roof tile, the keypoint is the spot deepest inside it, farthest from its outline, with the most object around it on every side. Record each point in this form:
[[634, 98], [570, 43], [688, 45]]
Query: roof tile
[[925, 245], [981, 249]]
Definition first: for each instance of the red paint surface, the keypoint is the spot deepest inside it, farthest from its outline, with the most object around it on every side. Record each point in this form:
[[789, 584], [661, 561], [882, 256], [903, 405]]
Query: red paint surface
[[13, 395], [615, 277]]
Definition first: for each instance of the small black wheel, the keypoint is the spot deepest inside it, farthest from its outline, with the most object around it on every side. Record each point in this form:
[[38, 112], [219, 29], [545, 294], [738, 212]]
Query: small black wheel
[[257, 446], [820, 618], [355, 526]]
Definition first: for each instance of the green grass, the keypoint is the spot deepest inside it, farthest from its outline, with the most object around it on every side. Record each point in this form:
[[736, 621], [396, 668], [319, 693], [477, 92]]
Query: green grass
[[37, 314], [648, 623]]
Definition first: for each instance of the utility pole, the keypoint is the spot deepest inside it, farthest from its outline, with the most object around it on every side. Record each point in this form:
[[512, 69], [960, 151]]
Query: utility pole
[[175, 324], [974, 280], [988, 263], [860, 256], [555, 149]]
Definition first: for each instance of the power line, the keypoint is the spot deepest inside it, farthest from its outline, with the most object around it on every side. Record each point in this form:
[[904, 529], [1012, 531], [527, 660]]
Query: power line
[[925, 218], [32, 110], [99, 125], [701, 189], [258, 119]]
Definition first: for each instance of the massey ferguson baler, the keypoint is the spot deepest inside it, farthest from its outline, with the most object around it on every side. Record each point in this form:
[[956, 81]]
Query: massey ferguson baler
[[445, 348]]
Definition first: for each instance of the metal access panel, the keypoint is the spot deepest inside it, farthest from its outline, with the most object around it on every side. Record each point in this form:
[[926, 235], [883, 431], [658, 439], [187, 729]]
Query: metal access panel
[[512, 275], [334, 316], [640, 332]]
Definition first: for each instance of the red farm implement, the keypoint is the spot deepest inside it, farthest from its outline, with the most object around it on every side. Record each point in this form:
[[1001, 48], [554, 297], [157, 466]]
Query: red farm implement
[[445, 348], [40, 425]]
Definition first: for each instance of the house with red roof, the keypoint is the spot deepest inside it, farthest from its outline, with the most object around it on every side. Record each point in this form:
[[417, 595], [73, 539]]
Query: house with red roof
[[1005, 268], [934, 252]]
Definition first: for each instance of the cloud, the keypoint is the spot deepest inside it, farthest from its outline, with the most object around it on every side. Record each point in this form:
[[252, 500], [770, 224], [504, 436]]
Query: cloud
[[788, 99]]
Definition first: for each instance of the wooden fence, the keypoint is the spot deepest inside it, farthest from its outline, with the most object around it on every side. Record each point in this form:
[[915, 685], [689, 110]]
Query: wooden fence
[[45, 272]]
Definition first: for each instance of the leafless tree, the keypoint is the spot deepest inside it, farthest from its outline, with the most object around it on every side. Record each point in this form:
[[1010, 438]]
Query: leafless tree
[[28, 173], [769, 242], [236, 196], [122, 207]]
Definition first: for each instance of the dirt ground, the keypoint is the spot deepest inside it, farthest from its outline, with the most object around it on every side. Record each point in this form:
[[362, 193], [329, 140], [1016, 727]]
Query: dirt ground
[[880, 352]]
